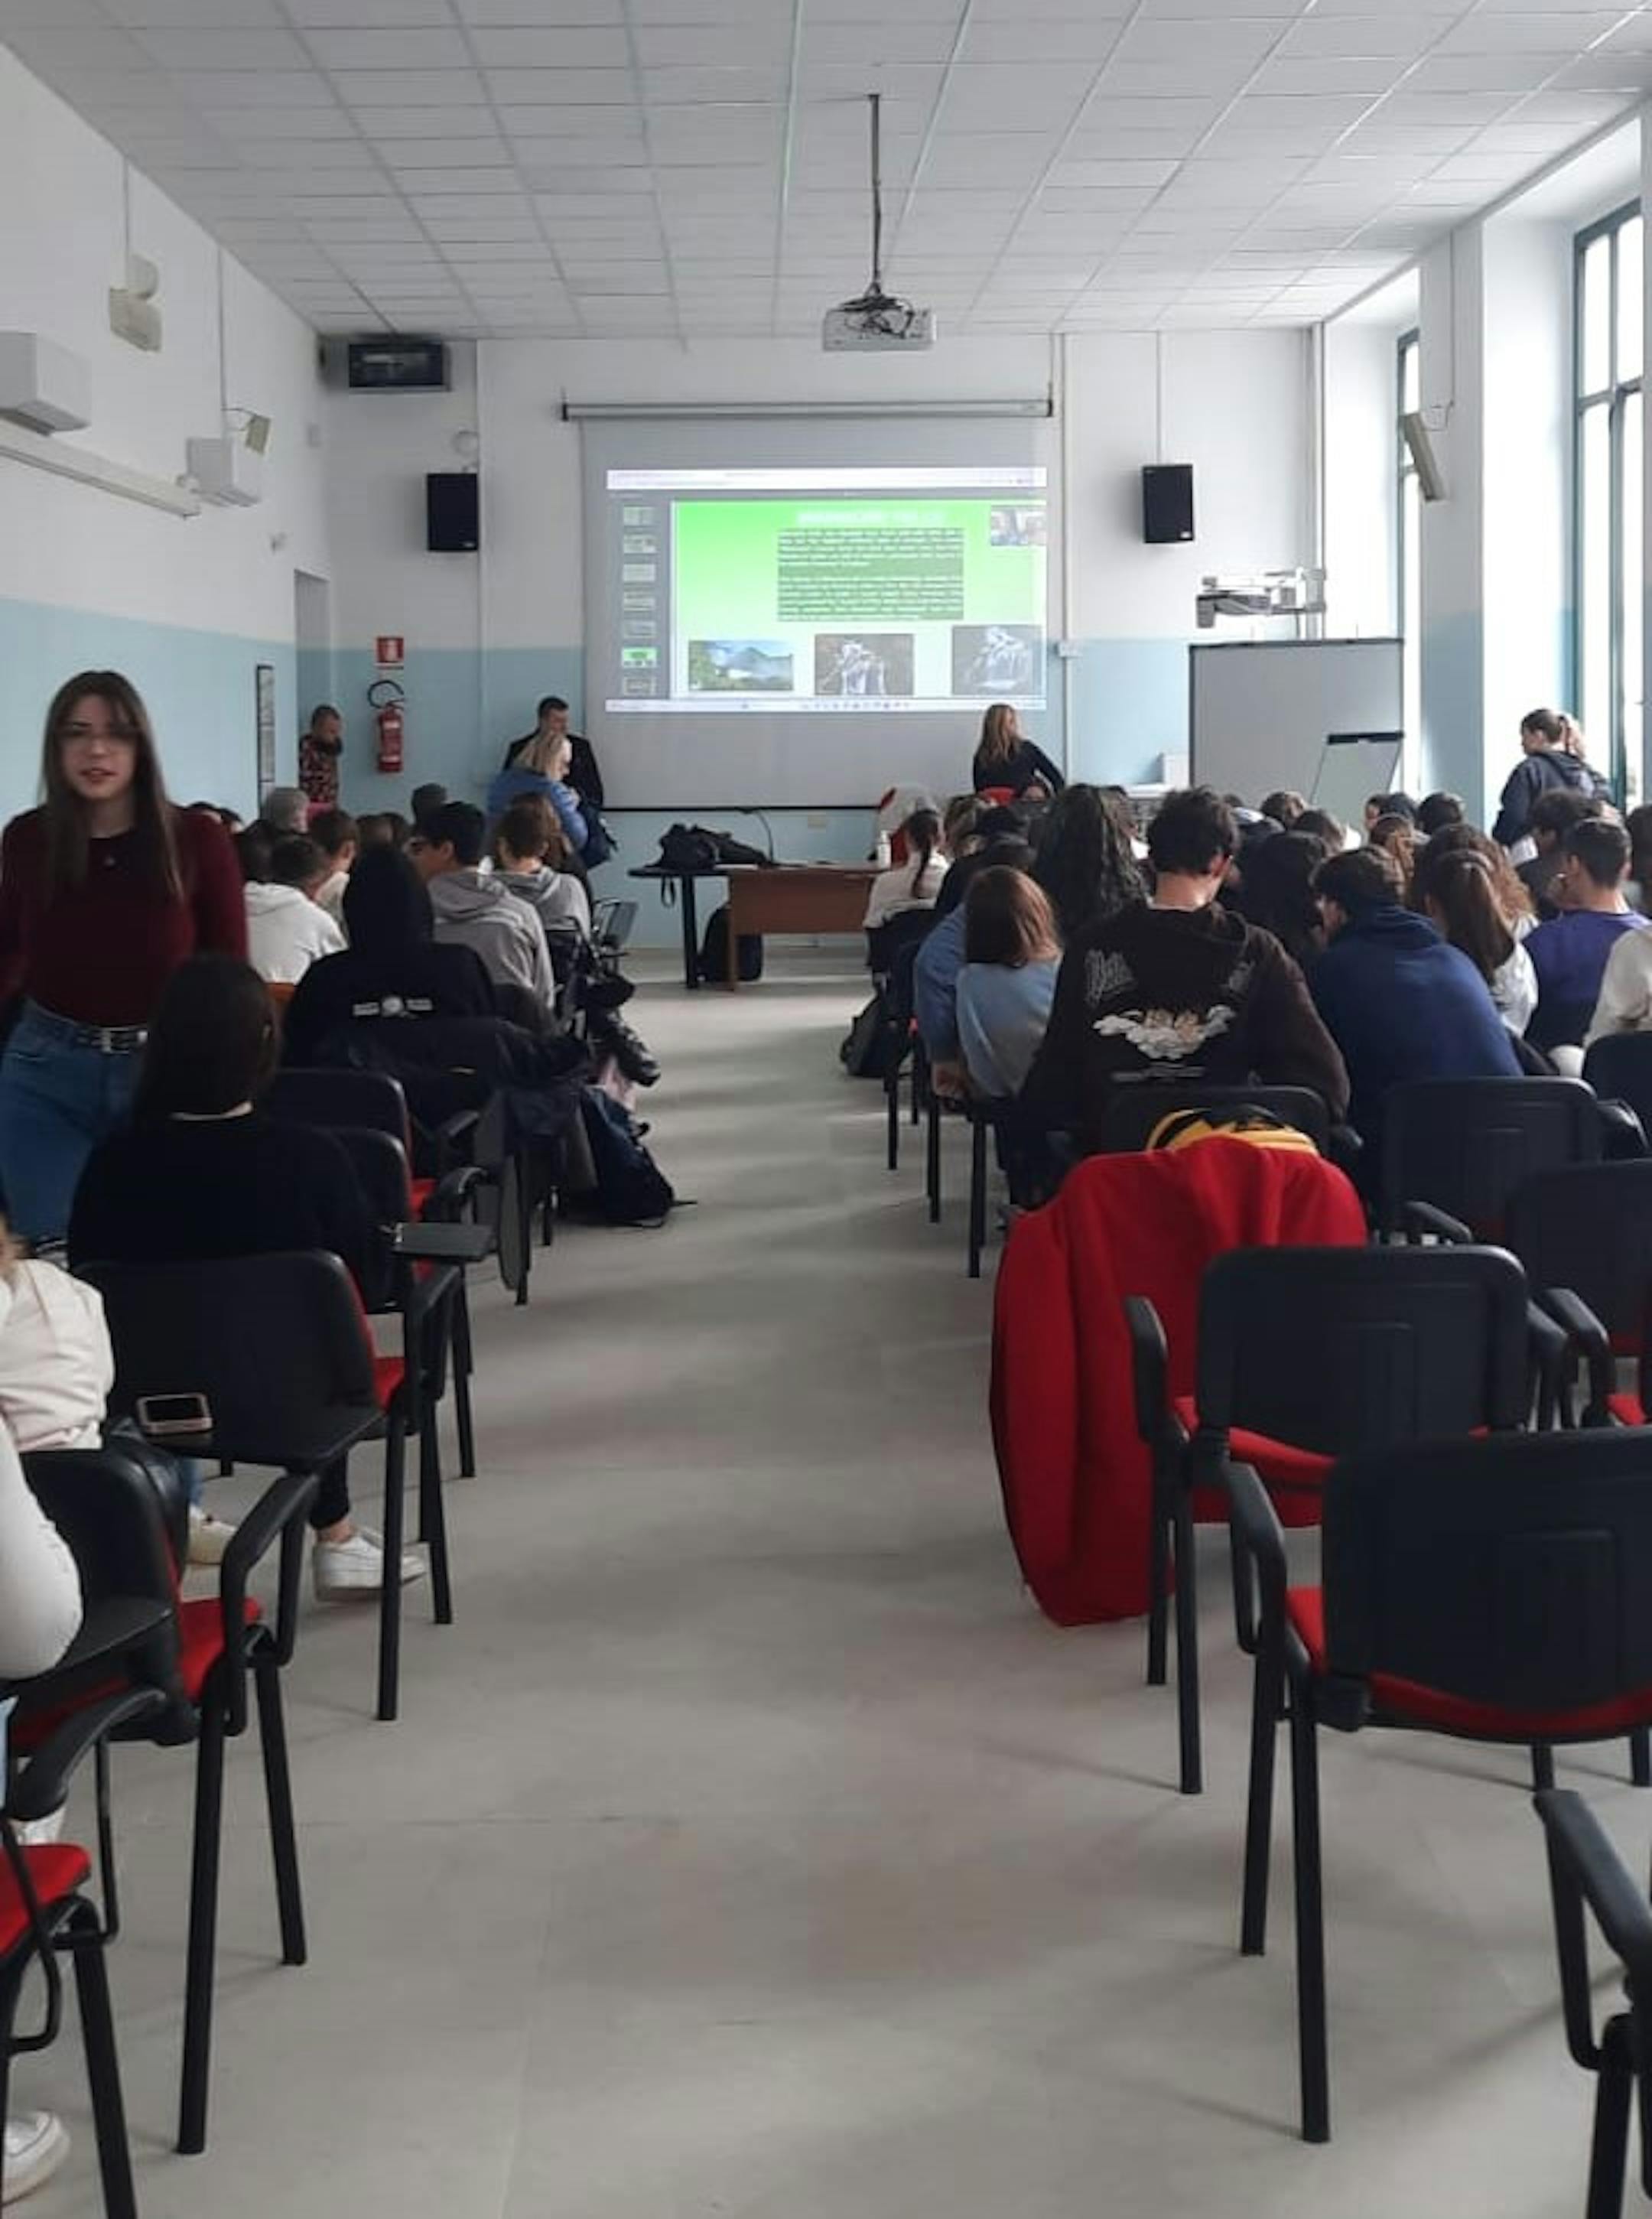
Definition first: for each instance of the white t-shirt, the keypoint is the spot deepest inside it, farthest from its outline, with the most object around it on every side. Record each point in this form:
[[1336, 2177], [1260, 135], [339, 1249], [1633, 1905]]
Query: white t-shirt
[[56, 1364], [1625, 1003], [902, 888], [286, 933]]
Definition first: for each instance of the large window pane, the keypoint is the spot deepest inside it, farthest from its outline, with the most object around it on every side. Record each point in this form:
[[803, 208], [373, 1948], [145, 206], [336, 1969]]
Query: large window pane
[[1411, 615], [1594, 573], [1594, 316], [1410, 374], [1632, 568], [1631, 294]]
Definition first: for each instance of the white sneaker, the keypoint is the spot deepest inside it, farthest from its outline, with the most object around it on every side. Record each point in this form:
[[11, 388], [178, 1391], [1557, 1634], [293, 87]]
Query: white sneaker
[[356, 1567], [37, 2142], [209, 1536]]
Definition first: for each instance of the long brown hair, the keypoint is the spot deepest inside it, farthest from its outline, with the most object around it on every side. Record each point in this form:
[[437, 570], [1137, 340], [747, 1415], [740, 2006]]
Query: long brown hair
[[1000, 734], [1464, 902], [1007, 920], [66, 837], [1513, 896]]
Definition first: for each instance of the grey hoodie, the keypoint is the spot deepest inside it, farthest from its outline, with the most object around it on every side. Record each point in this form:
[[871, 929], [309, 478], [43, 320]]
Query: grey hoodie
[[475, 910], [557, 895]]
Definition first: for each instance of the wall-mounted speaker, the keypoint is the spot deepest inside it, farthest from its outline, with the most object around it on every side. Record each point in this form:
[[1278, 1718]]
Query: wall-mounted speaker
[[453, 512], [1431, 479], [1166, 503]]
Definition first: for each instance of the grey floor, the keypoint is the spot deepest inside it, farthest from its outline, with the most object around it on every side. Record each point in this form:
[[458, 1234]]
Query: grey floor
[[751, 1846]]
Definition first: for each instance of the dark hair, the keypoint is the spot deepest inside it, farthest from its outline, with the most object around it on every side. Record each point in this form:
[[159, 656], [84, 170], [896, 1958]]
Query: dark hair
[[426, 799], [1190, 828], [333, 829], [1277, 892], [373, 831], [923, 830], [297, 860], [958, 823], [1366, 878], [459, 825], [401, 828], [1283, 806], [551, 701], [1320, 824], [1007, 920], [1000, 822], [253, 849], [1000, 734], [1084, 860], [528, 829], [1601, 848], [1396, 836], [154, 841], [213, 1041], [1394, 804], [1461, 890], [285, 809], [387, 905], [1549, 724], [1513, 895], [1561, 808], [1435, 810], [322, 709]]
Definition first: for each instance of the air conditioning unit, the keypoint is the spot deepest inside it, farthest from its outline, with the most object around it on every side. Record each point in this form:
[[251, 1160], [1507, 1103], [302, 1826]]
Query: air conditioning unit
[[226, 471], [134, 315], [43, 385]]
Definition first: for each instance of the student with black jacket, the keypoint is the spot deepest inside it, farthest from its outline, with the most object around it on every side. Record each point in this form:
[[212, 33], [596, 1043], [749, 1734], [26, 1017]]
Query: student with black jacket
[[1552, 747], [1006, 759]]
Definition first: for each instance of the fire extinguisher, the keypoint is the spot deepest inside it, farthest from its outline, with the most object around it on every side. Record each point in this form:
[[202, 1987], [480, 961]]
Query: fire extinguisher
[[389, 702]]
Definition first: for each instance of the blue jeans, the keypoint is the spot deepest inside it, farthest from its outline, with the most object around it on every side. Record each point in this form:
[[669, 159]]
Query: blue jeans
[[57, 1100]]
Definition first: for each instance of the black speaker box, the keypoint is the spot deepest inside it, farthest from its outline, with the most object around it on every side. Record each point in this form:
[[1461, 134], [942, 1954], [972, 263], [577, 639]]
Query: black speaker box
[[453, 512], [1166, 503]]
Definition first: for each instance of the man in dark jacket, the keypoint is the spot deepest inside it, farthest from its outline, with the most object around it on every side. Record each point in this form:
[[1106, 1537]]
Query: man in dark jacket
[[1178, 988], [583, 774], [1401, 1003]]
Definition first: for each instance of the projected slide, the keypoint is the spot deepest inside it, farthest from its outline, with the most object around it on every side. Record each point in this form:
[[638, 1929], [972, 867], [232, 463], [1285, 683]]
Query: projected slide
[[827, 590]]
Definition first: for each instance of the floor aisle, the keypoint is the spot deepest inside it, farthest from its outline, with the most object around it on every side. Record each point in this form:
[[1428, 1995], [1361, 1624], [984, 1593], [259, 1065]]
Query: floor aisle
[[750, 1846]]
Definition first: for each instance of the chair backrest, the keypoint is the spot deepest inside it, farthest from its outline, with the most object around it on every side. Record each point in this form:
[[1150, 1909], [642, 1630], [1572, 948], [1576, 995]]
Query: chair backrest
[[1465, 1144], [1588, 1226], [1132, 1113], [380, 1167], [268, 1340], [1515, 1572], [613, 923], [887, 943], [1335, 1349], [369, 1100], [1619, 1068]]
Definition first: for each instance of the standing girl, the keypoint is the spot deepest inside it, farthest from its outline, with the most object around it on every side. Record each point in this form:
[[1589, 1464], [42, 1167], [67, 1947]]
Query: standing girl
[[104, 889]]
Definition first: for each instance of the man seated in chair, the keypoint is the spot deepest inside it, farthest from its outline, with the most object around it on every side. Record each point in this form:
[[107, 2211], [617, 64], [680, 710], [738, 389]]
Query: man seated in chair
[[1571, 953]]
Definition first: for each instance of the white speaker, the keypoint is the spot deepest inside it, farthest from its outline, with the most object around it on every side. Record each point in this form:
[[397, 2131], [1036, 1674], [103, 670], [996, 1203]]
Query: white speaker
[[1425, 460]]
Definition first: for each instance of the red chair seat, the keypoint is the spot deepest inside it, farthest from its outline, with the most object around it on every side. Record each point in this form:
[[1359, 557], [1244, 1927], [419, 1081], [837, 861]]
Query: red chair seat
[[201, 1639], [1627, 1410], [56, 1871], [1299, 1474], [389, 1372], [1427, 1706], [421, 1189]]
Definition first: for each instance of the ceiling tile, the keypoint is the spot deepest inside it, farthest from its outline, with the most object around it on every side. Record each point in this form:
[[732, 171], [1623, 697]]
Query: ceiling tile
[[409, 88]]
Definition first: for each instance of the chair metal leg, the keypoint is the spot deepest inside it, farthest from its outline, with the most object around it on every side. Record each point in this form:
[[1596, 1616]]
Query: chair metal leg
[[1542, 1766], [1609, 2143], [917, 1089], [1158, 1583], [108, 1877], [1187, 1652], [395, 1452], [932, 1159], [464, 1365], [977, 1195], [1640, 1758], [432, 1516], [203, 1926], [1266, 1704], [278, 1795], [893, 1119], [1311, 2034], [104, 2073]]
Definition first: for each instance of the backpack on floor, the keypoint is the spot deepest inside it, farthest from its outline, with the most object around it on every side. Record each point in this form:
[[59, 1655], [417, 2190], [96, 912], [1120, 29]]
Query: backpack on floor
[[631, 1188], [714, 950], [871, 1048]]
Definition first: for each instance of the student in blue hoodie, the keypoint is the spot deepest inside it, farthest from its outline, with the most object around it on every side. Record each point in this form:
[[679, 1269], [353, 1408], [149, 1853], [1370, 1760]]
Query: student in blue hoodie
[[1399, 1000], [1569, 953]]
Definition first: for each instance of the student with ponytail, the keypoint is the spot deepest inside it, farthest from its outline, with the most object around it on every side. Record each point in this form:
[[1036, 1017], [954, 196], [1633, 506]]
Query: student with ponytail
[[1457, 891], [914, 883]]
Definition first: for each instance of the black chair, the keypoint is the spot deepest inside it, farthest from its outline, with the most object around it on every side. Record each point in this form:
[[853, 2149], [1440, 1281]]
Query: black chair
[[1454, 1150], [1304, 1355], [1619, 1068], [1132, 1112], [892, 951], [279, 1349], [1587, 1875], [1584, 1233], [1496, 1591]]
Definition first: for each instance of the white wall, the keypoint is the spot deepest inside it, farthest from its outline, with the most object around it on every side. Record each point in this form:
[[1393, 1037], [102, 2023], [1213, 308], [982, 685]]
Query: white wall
[[1362, 555], [187, 605]]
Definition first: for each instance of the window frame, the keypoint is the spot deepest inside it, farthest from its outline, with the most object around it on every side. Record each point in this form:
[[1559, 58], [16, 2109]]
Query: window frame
[[1408, 348], [1623, 514]]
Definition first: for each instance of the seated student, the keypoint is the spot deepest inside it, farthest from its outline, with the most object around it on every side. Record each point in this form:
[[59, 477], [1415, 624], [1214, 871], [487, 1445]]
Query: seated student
[[940, 958], [1012, 953], [1436, 811], [1283, 806], [528, 855], [202, 1173], [1553, 816], [1178, 988], [391, 969], [1456, 888], [285, 809], [473, 910], [1388, 805], [1278, 893], [1318, 824], [1569, 953], [286, 929], [336, 833], [1396, 836], [1400, 1002], [541, 770], [1084, 860], [425, 800], [914, 883]]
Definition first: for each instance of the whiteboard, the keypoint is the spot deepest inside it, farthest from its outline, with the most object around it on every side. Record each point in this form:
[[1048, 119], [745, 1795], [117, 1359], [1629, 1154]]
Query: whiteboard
[[1261, 713]]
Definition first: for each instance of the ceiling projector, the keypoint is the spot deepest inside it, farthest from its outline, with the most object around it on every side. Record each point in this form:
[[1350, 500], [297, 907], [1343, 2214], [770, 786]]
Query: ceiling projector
[[877, 323]]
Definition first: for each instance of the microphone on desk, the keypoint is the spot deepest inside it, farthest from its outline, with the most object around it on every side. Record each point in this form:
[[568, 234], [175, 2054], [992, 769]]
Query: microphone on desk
[[768, 829]]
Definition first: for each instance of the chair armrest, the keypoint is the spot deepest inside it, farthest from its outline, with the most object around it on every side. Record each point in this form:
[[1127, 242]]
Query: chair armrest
[[422, 1295], [1417, 1218], [1585, 1333], [453, 1193], [1256, 1528], [43, 1781], [274, 1517], [1549, 1344], [443, 1242], [1150, 1361], [1622, 1137], [1591, 1864]]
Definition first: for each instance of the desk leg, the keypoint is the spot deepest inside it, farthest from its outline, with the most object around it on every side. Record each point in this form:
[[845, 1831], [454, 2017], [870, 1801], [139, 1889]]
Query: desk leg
[[691, 934], [731, 970]]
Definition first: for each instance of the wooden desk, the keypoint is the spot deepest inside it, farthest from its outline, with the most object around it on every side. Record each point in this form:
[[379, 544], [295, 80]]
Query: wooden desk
[[805, 897]]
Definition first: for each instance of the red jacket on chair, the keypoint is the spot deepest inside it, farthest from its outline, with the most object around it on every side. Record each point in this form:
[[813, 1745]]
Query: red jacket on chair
[[1077, 1476]]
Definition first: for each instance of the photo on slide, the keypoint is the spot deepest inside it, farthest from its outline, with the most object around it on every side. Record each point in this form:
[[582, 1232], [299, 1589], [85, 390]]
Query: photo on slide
[[740, 666], [1018, 527], [996, 660], [867, 666]]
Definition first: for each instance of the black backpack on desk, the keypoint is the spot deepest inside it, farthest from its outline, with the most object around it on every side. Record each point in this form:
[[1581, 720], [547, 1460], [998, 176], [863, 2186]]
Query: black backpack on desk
[[714, 950]]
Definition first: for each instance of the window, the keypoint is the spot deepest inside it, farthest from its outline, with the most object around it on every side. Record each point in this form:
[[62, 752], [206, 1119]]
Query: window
[[1607, 545], [1408, 540]]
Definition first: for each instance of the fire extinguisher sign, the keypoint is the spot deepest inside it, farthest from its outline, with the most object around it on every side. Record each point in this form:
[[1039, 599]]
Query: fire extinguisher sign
[[388, 653]]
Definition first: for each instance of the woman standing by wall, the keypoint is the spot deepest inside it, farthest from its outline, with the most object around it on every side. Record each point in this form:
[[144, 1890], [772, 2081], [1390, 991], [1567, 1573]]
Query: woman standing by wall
[[104, 889]]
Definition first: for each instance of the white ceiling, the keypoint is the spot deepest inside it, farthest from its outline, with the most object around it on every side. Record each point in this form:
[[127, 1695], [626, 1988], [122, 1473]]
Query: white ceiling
[[677, 168]]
